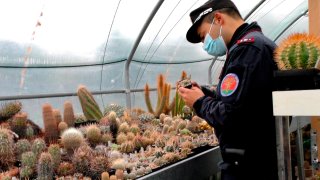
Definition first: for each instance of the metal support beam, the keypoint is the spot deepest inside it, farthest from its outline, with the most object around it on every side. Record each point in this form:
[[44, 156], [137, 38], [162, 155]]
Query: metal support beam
[[134, 48], [254, 9]]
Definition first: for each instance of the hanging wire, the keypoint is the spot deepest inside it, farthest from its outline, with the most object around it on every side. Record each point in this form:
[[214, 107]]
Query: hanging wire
[[135, 83], [164, 39], [105, 49], [255, 12]]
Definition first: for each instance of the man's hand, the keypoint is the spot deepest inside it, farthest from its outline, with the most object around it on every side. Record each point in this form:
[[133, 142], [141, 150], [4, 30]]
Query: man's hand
[[190, 96]]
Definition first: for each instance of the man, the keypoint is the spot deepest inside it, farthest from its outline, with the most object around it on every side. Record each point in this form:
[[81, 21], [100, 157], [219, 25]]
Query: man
[[241, 110]]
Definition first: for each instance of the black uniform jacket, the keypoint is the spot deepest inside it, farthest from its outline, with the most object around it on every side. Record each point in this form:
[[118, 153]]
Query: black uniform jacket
[[242, 111]]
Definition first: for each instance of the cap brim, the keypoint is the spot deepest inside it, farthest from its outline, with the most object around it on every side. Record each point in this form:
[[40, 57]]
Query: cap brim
[[192, 34]]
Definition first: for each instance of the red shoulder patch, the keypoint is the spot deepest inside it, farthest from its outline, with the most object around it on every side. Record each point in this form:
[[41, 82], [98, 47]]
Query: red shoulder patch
[[246, 40]]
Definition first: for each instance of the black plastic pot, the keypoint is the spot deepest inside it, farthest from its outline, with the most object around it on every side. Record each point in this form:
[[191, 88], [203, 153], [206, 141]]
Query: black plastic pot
[[84, 123], [297, 79]]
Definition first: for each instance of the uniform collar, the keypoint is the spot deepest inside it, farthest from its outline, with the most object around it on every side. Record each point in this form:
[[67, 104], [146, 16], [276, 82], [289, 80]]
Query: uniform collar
[[243, 30]]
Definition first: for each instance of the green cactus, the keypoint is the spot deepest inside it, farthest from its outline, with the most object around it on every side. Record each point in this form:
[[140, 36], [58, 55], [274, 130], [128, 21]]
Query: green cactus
[[22, 145], [124, 127], [89, 106], [29, 132], [135, 129], [26, 172], [72, 139], [28, 159], [93, 134], [45, 167], [51, 134], [54, 151], [68, 114], [127, 147], [119, 110], [6, 148], [19, 124], [38, 146], [9, 109], [298, 51]]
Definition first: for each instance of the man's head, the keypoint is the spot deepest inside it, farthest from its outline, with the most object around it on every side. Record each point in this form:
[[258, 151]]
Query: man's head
[[211, 16]]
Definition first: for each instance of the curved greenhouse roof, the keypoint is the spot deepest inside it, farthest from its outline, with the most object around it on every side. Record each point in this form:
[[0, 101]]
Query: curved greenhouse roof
[[49, 47]]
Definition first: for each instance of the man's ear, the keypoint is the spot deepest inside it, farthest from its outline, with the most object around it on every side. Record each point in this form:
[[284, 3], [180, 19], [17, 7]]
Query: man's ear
[[218, 18]]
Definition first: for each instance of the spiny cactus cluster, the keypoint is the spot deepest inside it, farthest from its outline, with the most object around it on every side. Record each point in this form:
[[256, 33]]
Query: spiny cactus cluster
[[145, 117], [65, 169], [9, 109], [6, 148], [38, 146], [93, 134], [119, 110], [98, 165], [50, 124], [298, 51], [89, 106], [72, 139], [45, 167], [28, 162], [54, 151], [22, 145]]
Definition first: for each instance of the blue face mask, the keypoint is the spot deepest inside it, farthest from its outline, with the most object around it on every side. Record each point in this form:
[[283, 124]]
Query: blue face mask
[[214, 47]]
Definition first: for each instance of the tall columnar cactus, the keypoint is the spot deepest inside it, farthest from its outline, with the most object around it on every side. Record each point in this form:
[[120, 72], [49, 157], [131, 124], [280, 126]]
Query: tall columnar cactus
[[72, 139], [6, 148], [50, 124], [54, 151], [89, 106], [68, 114], [23, 145], [45, 167], [19, 124], [178, 103], [9, 109], [38, 146], [298, 51], [163, 92], [57, 115], [114, 124]]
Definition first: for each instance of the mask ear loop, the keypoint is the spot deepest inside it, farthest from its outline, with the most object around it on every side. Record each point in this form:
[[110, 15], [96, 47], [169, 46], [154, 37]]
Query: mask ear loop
[[211, 26]]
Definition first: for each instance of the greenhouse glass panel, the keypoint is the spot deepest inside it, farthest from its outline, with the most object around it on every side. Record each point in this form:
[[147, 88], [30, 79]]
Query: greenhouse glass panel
[[274, 16]]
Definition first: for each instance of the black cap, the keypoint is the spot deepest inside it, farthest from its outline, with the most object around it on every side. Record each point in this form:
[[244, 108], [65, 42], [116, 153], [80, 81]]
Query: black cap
[[198, 14]]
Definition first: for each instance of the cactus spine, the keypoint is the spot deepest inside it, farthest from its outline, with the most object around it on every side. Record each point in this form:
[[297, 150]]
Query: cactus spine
[[298, 51], [9, 109], [68, 114], [94, 134], [72, 138], [45, 168], [28, 162], [50, 124], [23, 145], [38, 146], [89, 106]]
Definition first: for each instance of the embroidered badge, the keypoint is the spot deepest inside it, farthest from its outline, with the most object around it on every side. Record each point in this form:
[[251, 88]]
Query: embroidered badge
[[229, 84]]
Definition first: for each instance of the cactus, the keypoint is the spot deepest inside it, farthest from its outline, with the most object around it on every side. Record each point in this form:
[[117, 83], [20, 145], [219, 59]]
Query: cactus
[[113, 177], [29, 132], [65, 169], [19, 124], [38, 146], [119, 174], [79, 118], [89, 106], [124, 127], [127, 147], [9, 109], [182, 124], [50, 124], [45, 168], [68, 114], [98, 165], [165, 129], [163, 90], [130, 136], [298, 51], [193, 127], [6, 148], [54, 151], [57, 115], [114, 125], [106, 138], [23, 145], [135, 129], [105, 176], [81, 158], [119, 164], [119, 110], [28, 162], [62, 126], [93, 134], [72, 138], [121, 138], [146, 117]]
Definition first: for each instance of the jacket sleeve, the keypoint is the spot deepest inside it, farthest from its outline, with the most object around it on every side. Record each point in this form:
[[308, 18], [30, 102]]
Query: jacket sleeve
[[243, 63]]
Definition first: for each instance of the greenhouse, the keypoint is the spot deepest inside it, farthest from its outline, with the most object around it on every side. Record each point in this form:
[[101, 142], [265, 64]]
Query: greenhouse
[[92, 89]]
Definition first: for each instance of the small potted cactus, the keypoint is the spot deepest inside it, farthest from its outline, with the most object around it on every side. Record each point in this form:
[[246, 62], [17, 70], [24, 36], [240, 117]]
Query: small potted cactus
[[297, 59]]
